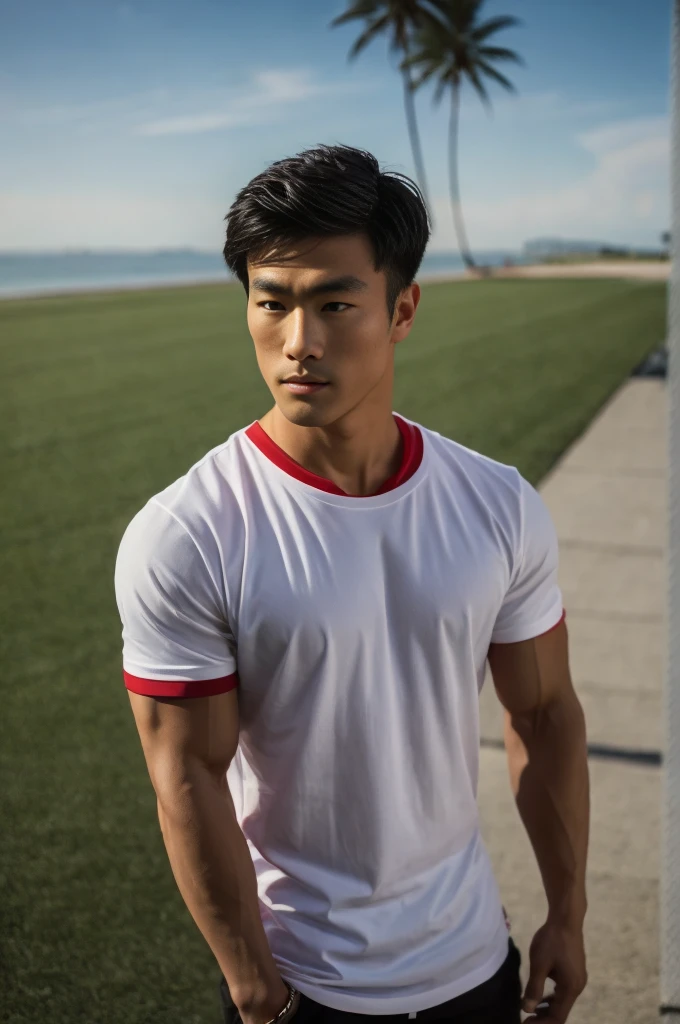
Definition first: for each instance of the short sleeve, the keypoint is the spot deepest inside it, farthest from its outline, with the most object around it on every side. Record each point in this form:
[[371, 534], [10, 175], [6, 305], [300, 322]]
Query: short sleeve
[[176, 639], [533, 602]]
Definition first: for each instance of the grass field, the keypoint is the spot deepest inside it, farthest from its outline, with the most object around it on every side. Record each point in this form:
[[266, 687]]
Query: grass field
[[106, 399]]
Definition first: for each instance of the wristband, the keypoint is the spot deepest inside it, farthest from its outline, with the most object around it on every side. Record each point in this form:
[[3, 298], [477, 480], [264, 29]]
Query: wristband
[[290, 1008]]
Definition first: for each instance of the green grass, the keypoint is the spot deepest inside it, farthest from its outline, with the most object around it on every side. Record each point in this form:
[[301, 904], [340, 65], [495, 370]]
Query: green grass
[[106, 399]]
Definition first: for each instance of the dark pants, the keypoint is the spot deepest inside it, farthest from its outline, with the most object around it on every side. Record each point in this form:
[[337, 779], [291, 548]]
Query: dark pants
[[496, 1001]]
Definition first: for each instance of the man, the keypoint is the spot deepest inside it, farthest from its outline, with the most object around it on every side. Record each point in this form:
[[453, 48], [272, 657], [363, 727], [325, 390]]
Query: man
[[307, 616]]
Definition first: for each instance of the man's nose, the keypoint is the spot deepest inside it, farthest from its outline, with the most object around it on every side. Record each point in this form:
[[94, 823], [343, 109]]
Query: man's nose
[[303, 337]]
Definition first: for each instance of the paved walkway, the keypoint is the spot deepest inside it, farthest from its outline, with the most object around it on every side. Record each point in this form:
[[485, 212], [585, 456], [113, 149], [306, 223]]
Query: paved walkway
[[607, 497]]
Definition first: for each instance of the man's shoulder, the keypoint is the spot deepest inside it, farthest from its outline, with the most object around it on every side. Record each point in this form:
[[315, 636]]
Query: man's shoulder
[[204, 495], [479, 469]]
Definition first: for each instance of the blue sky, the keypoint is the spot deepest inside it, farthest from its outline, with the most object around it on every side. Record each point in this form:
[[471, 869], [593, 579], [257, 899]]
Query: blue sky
[[133, 123]]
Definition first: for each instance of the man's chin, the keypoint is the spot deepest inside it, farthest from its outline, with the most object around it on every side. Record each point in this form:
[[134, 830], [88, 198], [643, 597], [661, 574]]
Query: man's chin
[[306, 414]]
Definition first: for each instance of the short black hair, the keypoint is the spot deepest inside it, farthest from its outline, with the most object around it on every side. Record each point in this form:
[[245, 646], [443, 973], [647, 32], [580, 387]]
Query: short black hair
[[327, 191]]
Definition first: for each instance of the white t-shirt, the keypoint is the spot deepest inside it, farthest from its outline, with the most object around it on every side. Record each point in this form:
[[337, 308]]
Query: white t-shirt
[[357, 630]]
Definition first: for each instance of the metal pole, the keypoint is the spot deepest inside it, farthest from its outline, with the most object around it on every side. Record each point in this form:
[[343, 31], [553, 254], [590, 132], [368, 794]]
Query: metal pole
[[670, 847]]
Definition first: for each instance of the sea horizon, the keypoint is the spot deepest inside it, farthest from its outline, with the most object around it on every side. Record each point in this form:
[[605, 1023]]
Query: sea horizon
[[26, 274]]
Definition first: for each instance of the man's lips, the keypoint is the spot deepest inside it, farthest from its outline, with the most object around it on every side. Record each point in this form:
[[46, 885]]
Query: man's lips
[[303, 387]]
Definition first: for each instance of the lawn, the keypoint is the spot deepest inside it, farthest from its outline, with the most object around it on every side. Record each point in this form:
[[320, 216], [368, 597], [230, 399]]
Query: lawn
[[106, 399]]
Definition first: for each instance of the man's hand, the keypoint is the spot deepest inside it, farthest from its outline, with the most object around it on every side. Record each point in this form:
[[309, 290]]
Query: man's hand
[[558, 953]]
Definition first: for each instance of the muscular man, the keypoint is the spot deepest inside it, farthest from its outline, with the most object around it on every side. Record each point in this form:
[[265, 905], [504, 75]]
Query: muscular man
[[307, 616]]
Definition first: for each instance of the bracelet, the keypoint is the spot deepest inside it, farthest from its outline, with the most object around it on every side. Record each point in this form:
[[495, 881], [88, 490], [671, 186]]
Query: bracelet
[[292, 1004]]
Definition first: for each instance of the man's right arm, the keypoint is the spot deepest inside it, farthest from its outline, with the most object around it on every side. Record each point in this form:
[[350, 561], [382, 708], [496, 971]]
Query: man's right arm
[[188, 745]]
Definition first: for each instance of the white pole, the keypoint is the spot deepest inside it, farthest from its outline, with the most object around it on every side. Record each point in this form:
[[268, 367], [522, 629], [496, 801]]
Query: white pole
[[670, 849]]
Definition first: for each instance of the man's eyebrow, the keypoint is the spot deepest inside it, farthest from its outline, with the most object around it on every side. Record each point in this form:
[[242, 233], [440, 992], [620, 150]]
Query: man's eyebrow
[[347, 283]]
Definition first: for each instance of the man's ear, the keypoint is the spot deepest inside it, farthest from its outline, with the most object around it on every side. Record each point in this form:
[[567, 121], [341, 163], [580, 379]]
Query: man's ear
[[410, 295]]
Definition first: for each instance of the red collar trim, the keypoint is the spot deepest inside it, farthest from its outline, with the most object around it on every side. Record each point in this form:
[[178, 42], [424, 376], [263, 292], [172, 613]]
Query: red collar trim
[[411, 458]]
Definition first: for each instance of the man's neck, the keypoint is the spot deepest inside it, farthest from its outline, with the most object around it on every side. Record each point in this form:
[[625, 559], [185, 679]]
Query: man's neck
[[358, 453]]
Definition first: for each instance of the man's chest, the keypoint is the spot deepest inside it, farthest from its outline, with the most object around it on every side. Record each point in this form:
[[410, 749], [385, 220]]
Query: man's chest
[[345, 585]]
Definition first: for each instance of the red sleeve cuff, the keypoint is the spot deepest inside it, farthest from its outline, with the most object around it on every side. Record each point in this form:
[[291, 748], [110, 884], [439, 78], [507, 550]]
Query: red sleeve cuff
[[183, 688], [559, 623]]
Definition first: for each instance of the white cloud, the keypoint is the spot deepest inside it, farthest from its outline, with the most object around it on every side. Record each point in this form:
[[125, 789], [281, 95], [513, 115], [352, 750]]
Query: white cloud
[[285, 87], [162, 112], [621, 134], [195, 124], [269, 91], [625, 195], [550, 106], [125, 108]]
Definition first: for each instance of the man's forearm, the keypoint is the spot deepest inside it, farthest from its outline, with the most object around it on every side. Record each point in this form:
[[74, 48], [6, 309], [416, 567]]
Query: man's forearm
[[214, 872], [548, 762]]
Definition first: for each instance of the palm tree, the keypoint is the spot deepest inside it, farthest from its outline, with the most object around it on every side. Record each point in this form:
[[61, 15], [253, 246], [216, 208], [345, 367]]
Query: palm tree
[[399, 18], [452, 50]]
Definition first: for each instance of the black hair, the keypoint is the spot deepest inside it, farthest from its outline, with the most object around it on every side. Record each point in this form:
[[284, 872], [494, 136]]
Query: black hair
[[327, 191]]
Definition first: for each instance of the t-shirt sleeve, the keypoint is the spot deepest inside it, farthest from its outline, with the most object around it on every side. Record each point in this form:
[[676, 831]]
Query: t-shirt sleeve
[[176, 638], [533, 602]]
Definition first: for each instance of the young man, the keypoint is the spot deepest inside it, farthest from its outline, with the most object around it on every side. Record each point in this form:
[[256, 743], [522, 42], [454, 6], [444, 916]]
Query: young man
[[307, 615]]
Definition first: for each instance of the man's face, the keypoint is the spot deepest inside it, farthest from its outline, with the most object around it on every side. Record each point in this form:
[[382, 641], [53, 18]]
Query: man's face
[[341, 335]]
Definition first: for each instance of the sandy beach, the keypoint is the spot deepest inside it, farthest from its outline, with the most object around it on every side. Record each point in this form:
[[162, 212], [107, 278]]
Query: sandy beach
[[647, 270], [643, 270]]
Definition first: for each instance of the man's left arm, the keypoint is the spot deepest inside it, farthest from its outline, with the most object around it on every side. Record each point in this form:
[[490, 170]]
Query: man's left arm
[[545, 739]]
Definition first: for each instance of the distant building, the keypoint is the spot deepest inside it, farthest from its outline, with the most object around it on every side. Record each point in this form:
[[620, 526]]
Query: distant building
[[539, 249]]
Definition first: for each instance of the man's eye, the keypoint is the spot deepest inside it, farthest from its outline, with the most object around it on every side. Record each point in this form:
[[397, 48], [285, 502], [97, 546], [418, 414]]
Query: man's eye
[[273, 302]]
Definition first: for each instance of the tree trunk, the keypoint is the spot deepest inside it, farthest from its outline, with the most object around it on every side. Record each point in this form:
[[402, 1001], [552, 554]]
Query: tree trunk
[[410, 106], [458, 223]]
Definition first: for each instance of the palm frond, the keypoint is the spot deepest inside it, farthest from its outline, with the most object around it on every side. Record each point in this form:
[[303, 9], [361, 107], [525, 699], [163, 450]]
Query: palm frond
[[427, 70], [491, 72], [423, 54], [433, 49], [368, 35], [439, 90], [433, 40], [478, 84], [499, 53], [449, 54], [487, 28], [461, 14], [359, 9]]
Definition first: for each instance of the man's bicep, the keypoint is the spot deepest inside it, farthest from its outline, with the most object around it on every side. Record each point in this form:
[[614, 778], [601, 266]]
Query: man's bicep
[[177, 733], [531, 674]]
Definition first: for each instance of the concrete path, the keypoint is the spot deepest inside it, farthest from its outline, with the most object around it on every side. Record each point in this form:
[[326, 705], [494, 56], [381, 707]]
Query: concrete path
[[607, 497]]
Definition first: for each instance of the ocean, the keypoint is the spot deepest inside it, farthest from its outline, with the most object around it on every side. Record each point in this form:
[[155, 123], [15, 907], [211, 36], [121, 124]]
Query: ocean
[[26, 274]]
